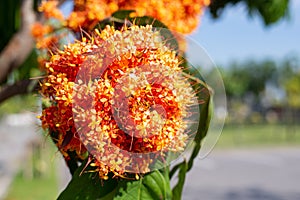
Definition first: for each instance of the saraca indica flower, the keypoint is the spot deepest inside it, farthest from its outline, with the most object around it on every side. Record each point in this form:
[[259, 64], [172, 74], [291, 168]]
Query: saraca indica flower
[[179, 15], [122, 96]]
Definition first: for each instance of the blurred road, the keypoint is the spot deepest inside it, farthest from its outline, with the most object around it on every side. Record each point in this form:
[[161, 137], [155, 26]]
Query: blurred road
[[253, 174], [17, 134]]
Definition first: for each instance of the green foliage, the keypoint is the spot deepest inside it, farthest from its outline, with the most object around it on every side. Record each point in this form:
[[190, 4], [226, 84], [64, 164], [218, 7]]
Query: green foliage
[[16, 105], [154, 185], [122, 14], [86, 185], [44, 183], [177, 190], [248, 77], [259, 135], [251, 77], [289, 79], [270, 11], [33, 189], [292, 88]]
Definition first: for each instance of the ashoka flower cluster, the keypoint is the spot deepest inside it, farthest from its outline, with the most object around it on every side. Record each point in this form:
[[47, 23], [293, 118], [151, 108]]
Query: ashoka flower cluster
[[122, 96], [179, 15]]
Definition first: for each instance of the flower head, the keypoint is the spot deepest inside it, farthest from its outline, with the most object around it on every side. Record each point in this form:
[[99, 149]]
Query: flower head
[[122, 95]]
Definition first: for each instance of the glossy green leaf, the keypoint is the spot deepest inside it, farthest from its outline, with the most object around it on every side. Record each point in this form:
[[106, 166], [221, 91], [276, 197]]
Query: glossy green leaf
[[206, 110], [86, 185], [122, 14], [177, 190], [153, 186]]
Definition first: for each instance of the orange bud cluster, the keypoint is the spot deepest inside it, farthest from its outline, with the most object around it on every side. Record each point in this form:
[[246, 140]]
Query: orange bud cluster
[[50, 10], [43, 34], [179, 15]]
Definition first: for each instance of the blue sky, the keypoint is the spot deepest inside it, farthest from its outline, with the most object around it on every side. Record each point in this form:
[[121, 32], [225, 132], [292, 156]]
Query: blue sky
[[236, 36]]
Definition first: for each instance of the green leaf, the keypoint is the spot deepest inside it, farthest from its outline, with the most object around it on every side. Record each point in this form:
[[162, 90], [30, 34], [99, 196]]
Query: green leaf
[[270, 11], [205, 116], [203, 125], [86, 185], [177, 190], [153, 186], [122, 14]]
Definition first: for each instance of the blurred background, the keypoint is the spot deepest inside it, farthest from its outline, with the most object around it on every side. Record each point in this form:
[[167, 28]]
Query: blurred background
[[258, 153]]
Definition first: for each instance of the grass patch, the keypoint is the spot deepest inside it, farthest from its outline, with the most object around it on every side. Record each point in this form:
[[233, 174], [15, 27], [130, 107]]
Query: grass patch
[[259, 136], [19, 104], [43, 185], [33, 189]]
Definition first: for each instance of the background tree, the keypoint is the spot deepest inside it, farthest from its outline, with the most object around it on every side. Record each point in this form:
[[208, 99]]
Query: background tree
[[292, 88], [270, 11], [249, 77]]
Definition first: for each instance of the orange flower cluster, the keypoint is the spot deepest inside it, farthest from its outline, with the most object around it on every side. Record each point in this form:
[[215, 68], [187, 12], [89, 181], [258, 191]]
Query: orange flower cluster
[[57, 89], [50, 10], [179, 15], [122, 96], [44, 36]]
